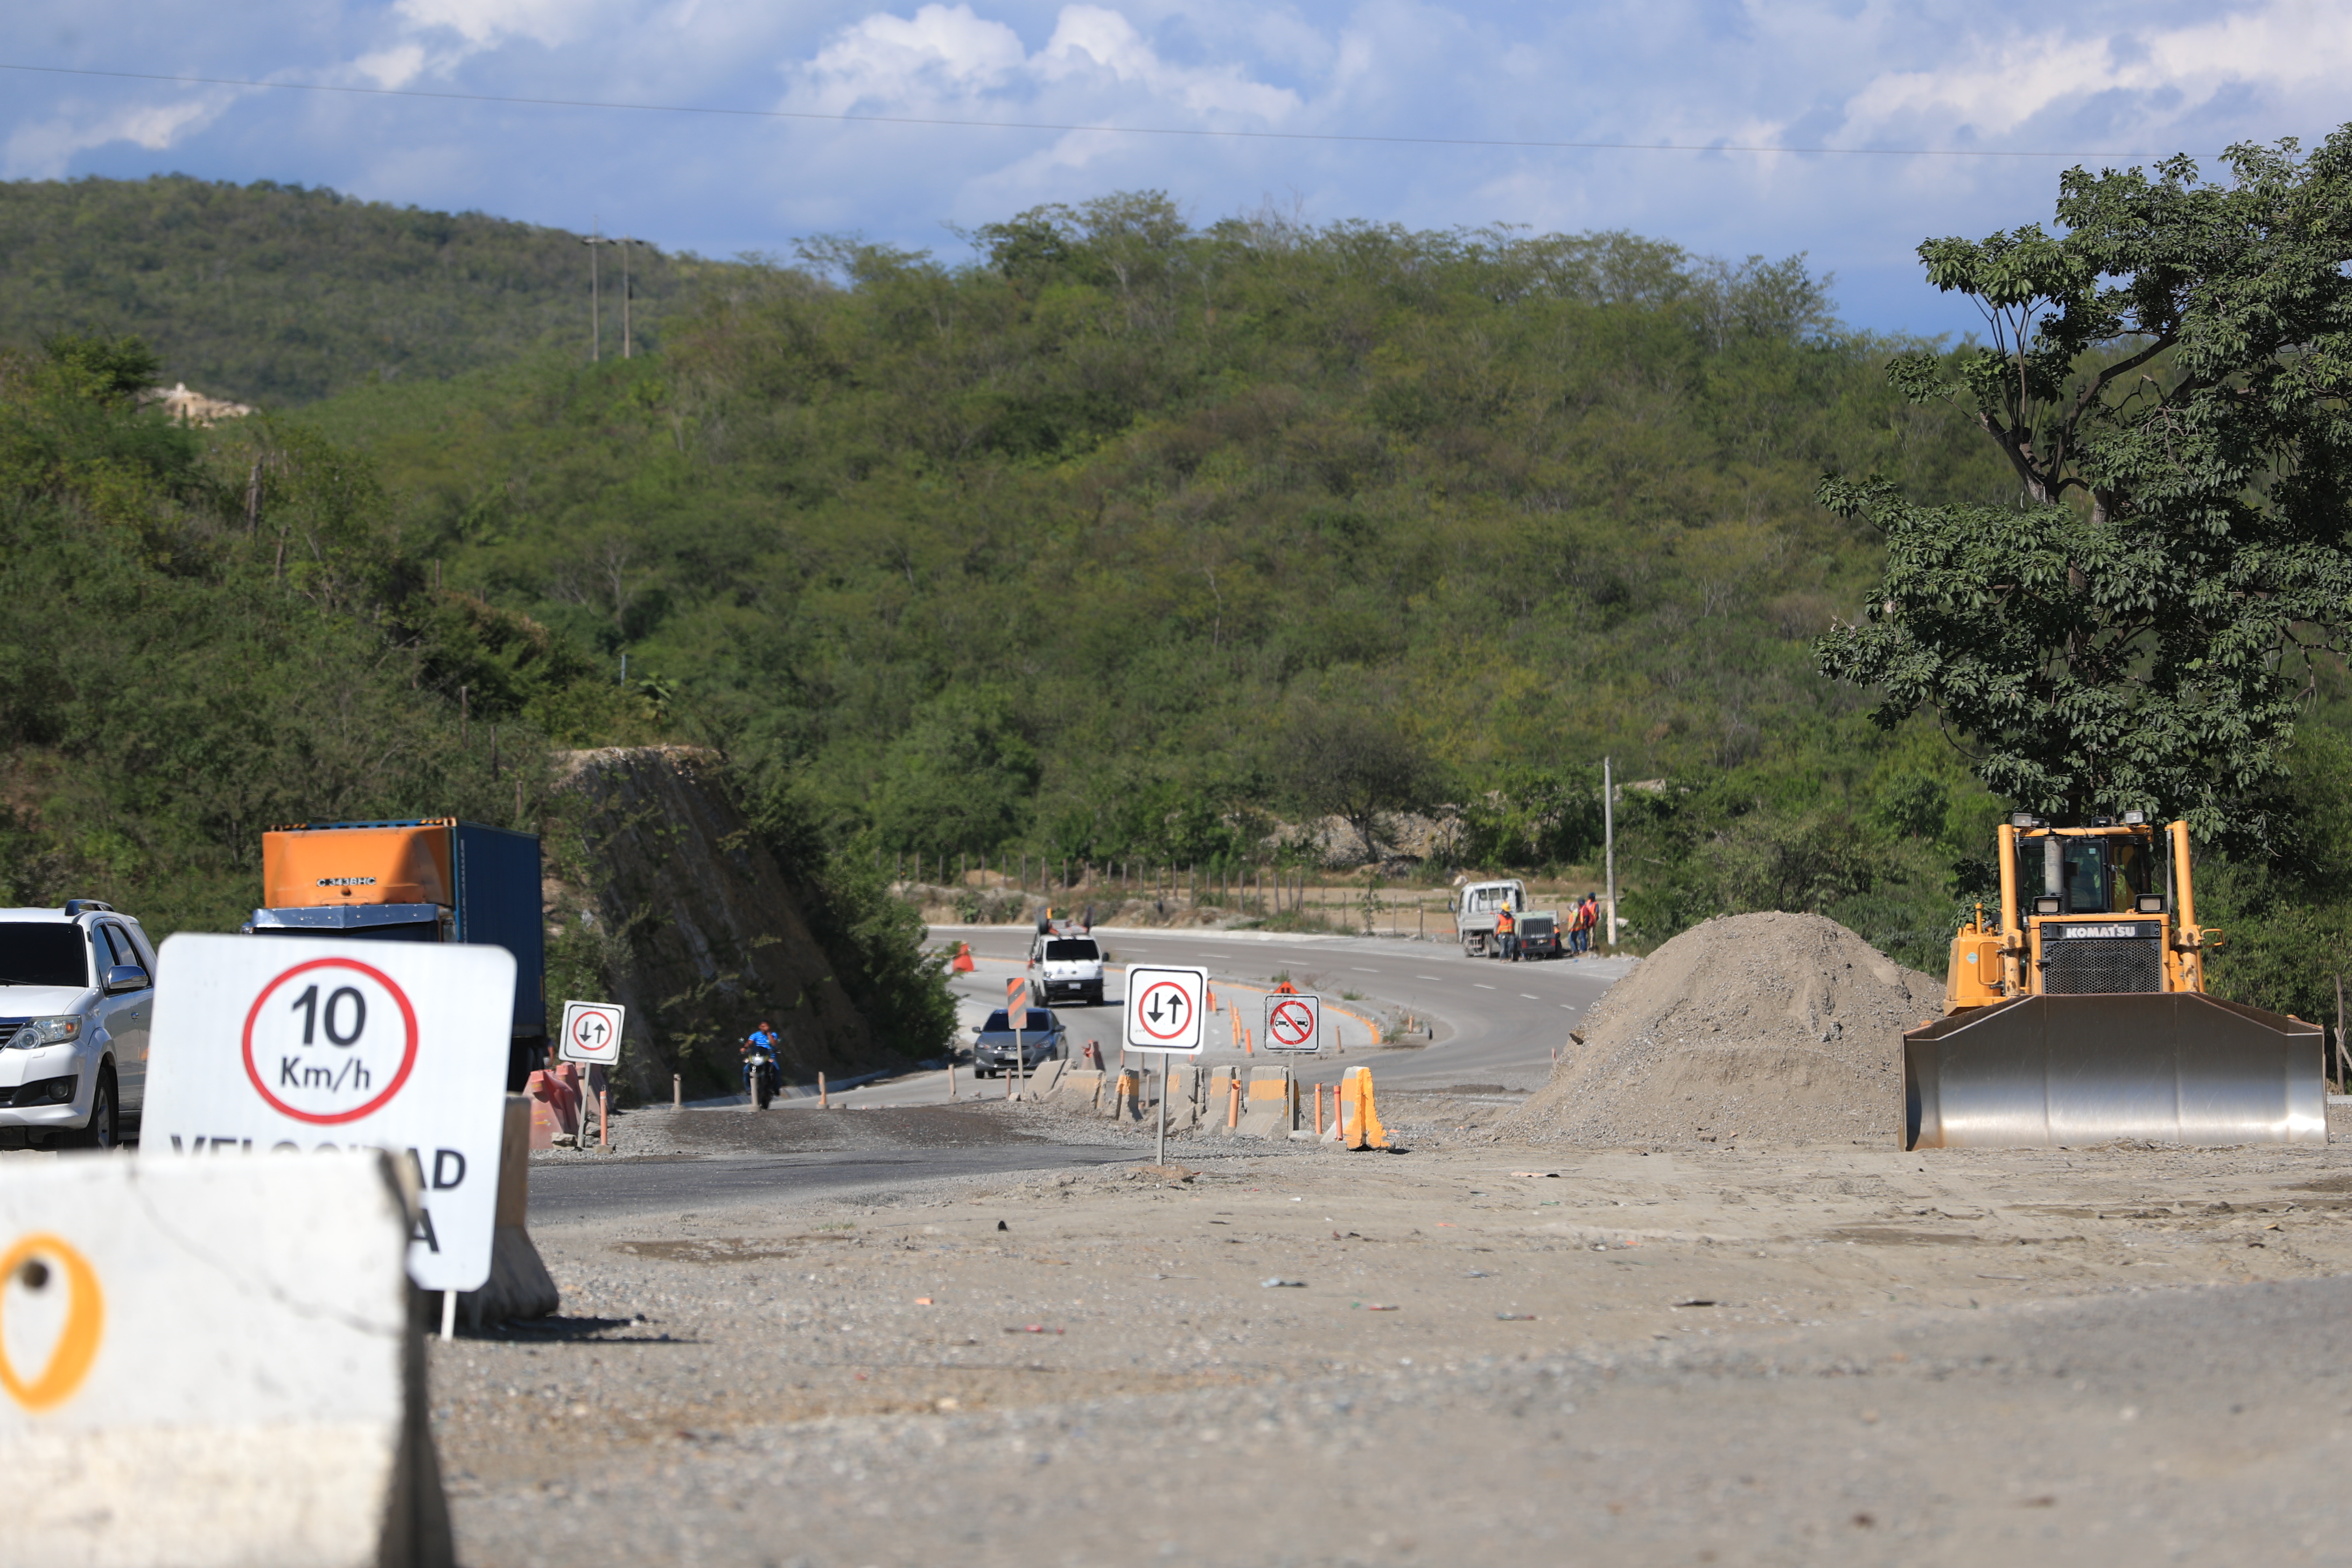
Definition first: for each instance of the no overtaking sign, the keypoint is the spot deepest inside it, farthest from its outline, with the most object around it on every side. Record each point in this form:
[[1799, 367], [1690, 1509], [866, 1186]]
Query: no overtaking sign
[[294, 1043], [1292, 1021]]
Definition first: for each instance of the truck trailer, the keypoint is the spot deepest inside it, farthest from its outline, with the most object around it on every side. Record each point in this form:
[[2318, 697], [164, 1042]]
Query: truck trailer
[[416, 880]]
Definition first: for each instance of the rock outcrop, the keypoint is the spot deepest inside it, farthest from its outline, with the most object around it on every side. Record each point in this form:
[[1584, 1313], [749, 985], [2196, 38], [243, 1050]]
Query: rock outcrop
[[703, 934]]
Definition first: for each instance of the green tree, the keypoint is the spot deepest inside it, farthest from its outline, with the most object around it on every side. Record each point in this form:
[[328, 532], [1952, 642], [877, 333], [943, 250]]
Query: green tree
[[2166, 379], [1360, 765], [958, 779]]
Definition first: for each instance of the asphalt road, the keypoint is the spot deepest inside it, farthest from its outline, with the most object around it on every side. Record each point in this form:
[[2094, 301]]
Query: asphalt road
[[579, 1190], [1496, 1025]]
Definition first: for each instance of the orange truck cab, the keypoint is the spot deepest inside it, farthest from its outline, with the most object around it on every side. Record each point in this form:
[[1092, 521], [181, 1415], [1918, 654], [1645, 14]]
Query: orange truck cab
[[416, 880]]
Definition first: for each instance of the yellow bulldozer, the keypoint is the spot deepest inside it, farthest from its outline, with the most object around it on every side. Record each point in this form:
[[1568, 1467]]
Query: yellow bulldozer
[[2081, 1017]]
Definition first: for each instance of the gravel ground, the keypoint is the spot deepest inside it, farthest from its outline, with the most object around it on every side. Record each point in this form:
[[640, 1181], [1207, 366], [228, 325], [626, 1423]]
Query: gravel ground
[[1490, 1352]]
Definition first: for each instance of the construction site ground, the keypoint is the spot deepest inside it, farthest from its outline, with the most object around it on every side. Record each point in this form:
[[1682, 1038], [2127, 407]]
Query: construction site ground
[[1475, 1352]]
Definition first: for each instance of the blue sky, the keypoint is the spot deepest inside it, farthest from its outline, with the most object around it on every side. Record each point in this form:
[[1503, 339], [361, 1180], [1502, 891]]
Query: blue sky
[[2095, 80]]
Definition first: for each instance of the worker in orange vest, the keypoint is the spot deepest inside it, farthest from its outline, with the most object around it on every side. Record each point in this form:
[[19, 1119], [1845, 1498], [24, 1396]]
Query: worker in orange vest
[[1507, 934]]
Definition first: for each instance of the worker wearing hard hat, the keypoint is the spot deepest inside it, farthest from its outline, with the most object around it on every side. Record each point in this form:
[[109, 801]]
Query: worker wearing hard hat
[[1506, 933]]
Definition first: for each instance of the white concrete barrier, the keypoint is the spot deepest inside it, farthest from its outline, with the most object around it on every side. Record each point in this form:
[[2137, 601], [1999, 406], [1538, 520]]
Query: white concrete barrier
[[209, 1364]]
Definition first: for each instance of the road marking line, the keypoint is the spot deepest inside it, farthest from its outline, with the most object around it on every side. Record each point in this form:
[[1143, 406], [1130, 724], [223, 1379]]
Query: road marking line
[[1482, 985], [1361, 969], [1424, 977], [1529, 997]]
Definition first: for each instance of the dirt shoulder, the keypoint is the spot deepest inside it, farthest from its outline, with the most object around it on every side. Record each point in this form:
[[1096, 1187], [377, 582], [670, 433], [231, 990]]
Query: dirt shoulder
[[988, 1327]]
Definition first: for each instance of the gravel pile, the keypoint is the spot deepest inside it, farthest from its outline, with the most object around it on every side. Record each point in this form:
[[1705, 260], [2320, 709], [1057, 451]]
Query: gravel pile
[[1768, 1029]]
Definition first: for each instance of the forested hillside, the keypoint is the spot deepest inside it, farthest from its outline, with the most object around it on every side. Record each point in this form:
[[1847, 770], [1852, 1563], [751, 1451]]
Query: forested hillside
[[1126, 540], [277, 295], [1133, 536], [189, 669]]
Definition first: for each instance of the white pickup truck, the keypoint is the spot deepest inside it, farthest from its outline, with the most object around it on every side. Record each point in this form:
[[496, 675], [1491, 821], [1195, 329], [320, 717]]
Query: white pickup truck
[[1067, 969], [1474, 910]]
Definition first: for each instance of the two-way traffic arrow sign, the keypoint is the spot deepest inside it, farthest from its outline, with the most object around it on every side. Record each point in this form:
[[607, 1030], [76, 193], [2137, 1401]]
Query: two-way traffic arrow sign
[[1164, 1007]]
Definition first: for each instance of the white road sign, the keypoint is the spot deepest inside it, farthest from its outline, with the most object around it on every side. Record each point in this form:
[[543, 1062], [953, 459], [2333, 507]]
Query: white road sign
[[1293, 1021], [294, 1042], [592, 1032], [1164, 1007]]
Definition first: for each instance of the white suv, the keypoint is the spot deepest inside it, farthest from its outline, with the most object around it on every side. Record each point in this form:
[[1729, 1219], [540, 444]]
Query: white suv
[[77, 997], [1071, 968]]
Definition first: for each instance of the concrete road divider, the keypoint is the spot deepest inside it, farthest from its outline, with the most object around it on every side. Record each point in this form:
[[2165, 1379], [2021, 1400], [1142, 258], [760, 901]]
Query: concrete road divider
[[1183, 1091], [1125, 1101], [1046, 1079], [1220, 1107], [214, 1363], [1271, 1109], [1083, 1084], [519, 1285]]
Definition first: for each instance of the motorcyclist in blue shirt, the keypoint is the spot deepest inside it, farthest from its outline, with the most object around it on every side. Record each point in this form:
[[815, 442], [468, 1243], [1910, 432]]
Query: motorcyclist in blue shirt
[[759, 1051]]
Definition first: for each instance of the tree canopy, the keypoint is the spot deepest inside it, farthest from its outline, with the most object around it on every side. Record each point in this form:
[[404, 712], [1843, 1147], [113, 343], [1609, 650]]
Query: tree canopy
[[2167, 380]]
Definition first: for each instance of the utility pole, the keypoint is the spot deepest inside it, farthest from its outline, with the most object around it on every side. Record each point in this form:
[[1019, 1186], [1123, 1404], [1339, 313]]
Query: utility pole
[[595, 293], [627, 337], [1609, 841]]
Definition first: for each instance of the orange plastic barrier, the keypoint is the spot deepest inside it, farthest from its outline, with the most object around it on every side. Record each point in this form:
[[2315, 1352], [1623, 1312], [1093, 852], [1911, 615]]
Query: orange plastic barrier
[[1359, 1124], [554, 1107]]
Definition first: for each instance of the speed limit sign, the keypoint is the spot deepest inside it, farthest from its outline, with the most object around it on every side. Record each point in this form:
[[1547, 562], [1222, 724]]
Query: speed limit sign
[[592, 1033], [1293, 1020], [278, 1045]]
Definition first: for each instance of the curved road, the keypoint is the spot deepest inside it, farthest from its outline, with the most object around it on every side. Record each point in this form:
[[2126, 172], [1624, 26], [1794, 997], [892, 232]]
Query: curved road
[[1494, 1025]]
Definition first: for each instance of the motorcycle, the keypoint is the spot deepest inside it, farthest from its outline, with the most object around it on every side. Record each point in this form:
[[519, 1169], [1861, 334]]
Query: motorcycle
[[761, 1079]]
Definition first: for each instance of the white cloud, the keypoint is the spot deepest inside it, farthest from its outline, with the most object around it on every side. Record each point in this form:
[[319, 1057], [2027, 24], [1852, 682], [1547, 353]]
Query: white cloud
[[1090, 40], [2149, 76], [950, 53], [395, 67], [45, 149], [941, 51], [483, 23]]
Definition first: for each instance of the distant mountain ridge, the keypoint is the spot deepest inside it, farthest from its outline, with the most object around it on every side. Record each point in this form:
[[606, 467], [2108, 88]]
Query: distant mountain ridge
[[278, 295]]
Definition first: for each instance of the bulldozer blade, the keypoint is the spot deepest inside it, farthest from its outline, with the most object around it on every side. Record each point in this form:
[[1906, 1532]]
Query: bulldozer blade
[[2177, 1067]]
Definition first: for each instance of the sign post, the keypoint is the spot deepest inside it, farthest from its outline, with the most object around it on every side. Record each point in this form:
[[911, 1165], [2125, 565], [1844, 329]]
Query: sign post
[[591, 1035], [1165, 1010], [1294, 1022], [295, 1043]]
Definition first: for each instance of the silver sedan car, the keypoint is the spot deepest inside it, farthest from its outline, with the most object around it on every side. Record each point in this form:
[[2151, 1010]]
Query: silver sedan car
[[1041, 1038]]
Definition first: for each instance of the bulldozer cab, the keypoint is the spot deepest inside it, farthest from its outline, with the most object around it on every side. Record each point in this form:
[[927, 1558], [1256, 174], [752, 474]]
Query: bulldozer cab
[[2096, 910], [2078, 1016], [2092, 876]]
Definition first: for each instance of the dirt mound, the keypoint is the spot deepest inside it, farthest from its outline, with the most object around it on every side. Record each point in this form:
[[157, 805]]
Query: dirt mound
[[1770, 1028]]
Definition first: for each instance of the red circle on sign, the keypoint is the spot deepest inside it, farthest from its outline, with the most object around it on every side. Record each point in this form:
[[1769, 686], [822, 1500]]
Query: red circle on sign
[[1294, 1017], [1144, 1017], [407, 1054]]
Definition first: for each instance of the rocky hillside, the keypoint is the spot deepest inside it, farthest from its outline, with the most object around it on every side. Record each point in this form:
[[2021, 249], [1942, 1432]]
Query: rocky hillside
[[698, 931]]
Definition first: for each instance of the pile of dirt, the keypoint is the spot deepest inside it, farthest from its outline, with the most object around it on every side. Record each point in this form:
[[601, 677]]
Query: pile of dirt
[[1768, 1029]]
